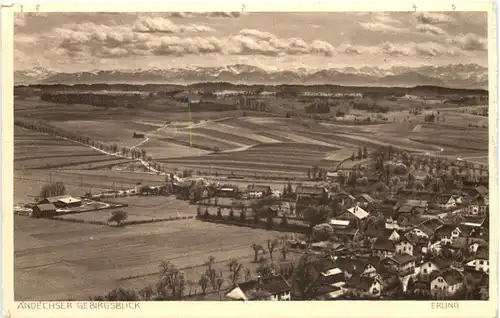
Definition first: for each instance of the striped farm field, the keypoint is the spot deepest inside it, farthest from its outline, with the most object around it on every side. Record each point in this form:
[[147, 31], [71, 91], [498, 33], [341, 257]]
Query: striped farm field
[[34, 150], [231, 136], [275, 157], [74, 251], [204, 141]]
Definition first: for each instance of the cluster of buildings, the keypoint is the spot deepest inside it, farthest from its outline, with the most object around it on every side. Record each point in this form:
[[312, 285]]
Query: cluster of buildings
[[414, 243]]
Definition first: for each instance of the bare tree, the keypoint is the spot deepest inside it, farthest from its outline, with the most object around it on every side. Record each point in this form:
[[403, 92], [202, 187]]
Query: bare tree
[[203, 282], [256, 249], [271, 246], [235, 268]]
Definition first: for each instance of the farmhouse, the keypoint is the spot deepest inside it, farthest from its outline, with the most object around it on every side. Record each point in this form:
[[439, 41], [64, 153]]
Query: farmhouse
[[358, 267], [328, 281], [227, 191], [446, 284], [269, 288], [62, 201], [44, 210], [419, 206], [332, 176]]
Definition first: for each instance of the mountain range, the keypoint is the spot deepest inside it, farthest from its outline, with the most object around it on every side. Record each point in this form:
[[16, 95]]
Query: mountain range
[[452, 75]]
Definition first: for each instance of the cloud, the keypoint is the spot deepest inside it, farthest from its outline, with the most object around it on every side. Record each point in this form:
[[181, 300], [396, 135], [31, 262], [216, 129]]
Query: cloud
[[469, 42], [381, 27], [411, 49], [205, 14], [433, 18], [104, 41], [161, 25], [430, 29]]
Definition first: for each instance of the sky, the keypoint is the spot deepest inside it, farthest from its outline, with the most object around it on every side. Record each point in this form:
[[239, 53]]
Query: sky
[[70, 42]]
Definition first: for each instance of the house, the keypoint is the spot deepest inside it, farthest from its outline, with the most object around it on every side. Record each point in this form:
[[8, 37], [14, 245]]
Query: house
[[269, 288], [44, 210], [352, 266], [311, 191], [374, 234], [345, 199], [426, 229], [474, 244], [262, 190], [437, 263], [448, 233], [445, 202], [328, 281], [480, 261], [62, 201], [446, 284], [477, 206], [402, 263], [388, 208], [364, 287], [384, 248], [303, 203], [138, 136], [365, 200]]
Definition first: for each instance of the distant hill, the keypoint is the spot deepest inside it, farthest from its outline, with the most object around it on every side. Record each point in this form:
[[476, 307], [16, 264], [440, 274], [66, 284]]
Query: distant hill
[[455, 76]]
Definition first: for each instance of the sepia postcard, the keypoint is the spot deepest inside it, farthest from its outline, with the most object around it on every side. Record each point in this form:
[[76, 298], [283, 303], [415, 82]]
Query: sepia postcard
[[249, 160]]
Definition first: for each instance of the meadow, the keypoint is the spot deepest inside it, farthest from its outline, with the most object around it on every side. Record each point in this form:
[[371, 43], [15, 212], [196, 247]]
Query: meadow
[[61, 260]]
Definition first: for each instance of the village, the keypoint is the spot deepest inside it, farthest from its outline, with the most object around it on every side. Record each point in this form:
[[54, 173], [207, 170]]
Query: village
[[392, 225]]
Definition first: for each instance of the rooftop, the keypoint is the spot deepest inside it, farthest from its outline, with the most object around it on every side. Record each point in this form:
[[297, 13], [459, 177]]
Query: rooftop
[[272, 285]]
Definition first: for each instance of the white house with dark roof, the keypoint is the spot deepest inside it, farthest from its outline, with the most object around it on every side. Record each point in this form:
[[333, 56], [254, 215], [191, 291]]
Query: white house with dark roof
[[269, 288], [445, 284], [480, 261]]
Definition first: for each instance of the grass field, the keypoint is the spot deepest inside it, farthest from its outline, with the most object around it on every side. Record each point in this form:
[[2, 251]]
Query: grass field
[[58, 260]]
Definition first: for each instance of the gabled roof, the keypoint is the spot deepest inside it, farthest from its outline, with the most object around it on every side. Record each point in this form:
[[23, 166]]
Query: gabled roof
[[56, 198], [483, 252], [432, 224], [336, 222], [482, 190], [69, 200], [402, 258], [383, 244], [360, 282], [452, 277], [324, 265], [272, 284], [405, 209], [376, 233], [445, 230], [366, 197], [442, 199], [46, 207], [358, 212], [440, 262], [473, 221]]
